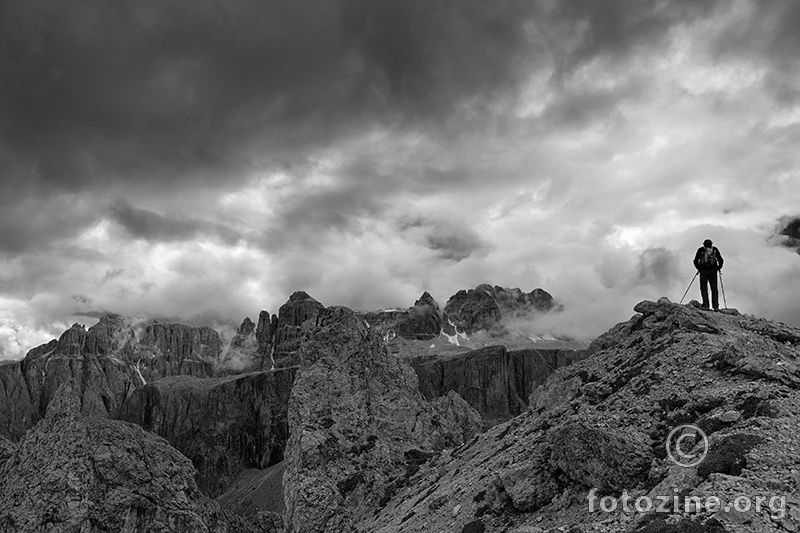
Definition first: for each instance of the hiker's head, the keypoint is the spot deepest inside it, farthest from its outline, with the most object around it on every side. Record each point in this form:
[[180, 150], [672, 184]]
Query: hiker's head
[[707, 243]]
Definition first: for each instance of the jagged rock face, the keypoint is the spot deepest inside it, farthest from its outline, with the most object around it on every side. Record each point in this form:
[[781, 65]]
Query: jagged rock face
[[103, 380], [494, 381], [291, 316], [423, 321], [484, 307], [224, 425], [97, 475], [243, 351], [108, 364], [7, 448], [171, 349], [603, 423], [359, 425]]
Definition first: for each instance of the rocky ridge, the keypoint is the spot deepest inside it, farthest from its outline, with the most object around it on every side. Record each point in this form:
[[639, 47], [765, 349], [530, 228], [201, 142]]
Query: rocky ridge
[[602, 424], [72, 473], [359, 425]]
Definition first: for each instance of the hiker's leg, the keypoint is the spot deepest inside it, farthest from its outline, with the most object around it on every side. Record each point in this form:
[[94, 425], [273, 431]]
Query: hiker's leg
[[714, 294], [704, 286]]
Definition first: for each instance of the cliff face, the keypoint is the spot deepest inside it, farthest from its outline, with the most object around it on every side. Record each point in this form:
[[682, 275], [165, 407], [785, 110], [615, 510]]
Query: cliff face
[[603, 423], [107, 363], [494, 381], [359, 425], [224, 425], [97, 475], [177, 349], [423, 321], [103, 380]]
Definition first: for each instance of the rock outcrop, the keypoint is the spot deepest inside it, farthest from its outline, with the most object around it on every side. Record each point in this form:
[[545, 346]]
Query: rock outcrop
[[360, 428], [423, 321], [172, 349], [287, 333], [6, 450], [486, 307], [95, 475], [603, 423], [224, 425], [494, 381]]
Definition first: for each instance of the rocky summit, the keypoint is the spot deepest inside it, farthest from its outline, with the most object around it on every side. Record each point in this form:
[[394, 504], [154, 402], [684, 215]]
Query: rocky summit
[[314, 421], [599, 429]]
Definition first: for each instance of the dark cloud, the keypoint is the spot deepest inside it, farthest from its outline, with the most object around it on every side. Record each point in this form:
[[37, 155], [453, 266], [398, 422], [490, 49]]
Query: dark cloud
[[771, 29], [152, 226], [451, 242], [155, 90], [658, 267], [454, 243], [615, 28], [584, 106], [31, 223], [789, 230]]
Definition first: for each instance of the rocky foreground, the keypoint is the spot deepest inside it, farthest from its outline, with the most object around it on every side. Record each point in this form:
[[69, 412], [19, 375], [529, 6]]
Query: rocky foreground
[[602, 424]]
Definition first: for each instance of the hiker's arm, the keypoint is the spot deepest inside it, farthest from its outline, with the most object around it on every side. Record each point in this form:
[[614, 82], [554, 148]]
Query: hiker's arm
[[720, 260]]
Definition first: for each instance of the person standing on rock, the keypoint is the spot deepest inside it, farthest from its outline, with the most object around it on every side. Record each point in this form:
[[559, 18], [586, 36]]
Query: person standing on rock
[[708, 261]]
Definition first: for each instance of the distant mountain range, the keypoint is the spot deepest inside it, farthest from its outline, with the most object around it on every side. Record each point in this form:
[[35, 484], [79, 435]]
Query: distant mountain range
[[463, 367]]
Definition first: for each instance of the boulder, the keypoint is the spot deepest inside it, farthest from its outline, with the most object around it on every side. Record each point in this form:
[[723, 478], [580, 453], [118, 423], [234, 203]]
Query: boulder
[[607, 459]]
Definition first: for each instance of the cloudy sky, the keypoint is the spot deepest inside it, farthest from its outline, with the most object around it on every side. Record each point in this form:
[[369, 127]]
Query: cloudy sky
[[201, 160]]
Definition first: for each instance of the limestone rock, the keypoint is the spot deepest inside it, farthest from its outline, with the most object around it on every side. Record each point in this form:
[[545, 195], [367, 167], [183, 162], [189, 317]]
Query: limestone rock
[[7, 448], [494, 381], [457, 416], [224, 425], [291, 316], [108, 363], [102, 378], [484, 307], [171, 349], [93, 475], [359, 425], [601, 458], [242, 353], [603, 423], [423, 321]]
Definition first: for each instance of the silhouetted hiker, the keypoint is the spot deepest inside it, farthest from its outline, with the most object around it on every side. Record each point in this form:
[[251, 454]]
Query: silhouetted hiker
[[708, 261]]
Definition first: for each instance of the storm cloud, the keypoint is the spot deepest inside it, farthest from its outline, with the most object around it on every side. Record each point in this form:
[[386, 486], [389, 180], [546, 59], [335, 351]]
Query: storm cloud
[[202, 160]]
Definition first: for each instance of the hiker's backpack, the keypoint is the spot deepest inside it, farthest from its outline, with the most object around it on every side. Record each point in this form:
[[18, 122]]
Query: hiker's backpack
[[708, 259]]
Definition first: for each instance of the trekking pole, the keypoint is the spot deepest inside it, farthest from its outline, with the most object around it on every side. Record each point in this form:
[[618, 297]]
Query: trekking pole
[[689, 287], [722, 286]]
